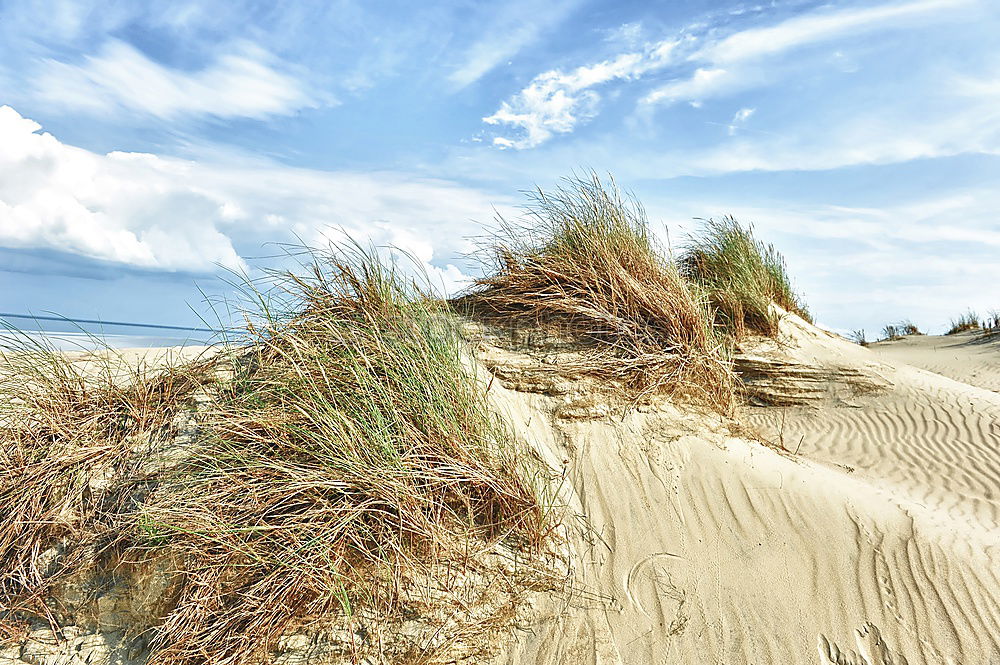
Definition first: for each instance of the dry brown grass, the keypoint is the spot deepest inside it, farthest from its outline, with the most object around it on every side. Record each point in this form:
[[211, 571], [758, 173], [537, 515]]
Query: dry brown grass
[[73, 438], [895, 331], [991, 323], [348, 470], [583, 263], [965, 323], [352, 454]]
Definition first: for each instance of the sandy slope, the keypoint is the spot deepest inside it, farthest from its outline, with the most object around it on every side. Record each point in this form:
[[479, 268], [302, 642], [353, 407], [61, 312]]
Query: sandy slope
[[878, 544], [966, 357]]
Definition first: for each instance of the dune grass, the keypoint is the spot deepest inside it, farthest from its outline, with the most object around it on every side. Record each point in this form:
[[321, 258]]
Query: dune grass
[[582, 262], [891, 332], [347, 465], [859, 337], [991, 324], [74, 434], [894, 331], [964, 323], [353, 448], [742, 275]]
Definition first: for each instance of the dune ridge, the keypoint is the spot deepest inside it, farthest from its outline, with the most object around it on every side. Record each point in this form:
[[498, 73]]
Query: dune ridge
[[629, 457], [858, 527], [876, 544]]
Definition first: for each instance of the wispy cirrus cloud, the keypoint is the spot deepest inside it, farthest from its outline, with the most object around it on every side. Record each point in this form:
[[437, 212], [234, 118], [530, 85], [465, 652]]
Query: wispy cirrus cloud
[[556, 101], [740, 118], [246, 82], [732, 63], [814, 28], [515, 26], [699, 64]]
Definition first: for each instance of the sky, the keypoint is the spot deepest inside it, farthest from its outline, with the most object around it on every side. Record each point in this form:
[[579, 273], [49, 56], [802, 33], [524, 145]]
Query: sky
[[150, 150]]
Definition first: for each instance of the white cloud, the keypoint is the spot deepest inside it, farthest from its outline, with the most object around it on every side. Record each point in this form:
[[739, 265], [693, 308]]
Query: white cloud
[[247, 82], [627, 34], [169, 214], [739, 119], [810, 29], [99, 206], [879, 136], [517, 26], [556, 101], [732, 64], [704, 82]]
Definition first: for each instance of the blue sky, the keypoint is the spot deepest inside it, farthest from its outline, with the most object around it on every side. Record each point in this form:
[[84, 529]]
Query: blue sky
[[144, 145]]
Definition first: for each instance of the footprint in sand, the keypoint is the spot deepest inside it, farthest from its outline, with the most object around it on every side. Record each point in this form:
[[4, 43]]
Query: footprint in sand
[[872, 650]]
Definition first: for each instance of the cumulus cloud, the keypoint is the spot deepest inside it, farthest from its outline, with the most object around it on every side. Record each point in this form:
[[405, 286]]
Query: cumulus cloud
[[555, 102], [247, 83], [168, 214], [100, 206]]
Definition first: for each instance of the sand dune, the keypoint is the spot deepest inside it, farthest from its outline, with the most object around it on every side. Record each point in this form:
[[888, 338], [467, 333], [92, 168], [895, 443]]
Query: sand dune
[[877, 544], [861, 526], [967, 357]]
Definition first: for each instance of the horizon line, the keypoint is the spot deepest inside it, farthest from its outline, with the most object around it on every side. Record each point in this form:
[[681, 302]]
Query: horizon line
[[161, 326]]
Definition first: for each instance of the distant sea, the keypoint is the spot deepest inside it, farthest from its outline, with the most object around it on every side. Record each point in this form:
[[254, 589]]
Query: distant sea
[[85, 335]]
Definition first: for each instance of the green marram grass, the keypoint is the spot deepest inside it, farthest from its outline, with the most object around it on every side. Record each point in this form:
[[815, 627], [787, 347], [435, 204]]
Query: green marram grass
[[742, 275], [581, 262], [352, 449]]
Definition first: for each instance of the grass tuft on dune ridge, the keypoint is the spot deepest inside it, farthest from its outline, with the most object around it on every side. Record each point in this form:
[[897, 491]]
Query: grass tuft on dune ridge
[[964, 323], [991, 324], [742, 275], [352, 450], [582, 262], [894, 331], [346, 468]]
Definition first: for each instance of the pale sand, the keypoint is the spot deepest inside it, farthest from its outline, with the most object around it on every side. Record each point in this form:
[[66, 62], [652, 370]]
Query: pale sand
[[967, 357], [878, 543]]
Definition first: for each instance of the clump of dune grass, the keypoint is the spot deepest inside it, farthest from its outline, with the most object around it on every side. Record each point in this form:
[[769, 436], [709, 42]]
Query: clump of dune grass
[[858, 337], [964, 323], [347, 469], [582, 262], [73, 433], [991, 324], [352, 452], [894, 331], [891, 333], [742, 275]]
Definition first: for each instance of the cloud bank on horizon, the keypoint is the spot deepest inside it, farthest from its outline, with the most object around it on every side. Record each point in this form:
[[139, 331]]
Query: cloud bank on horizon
[[162, 143]]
